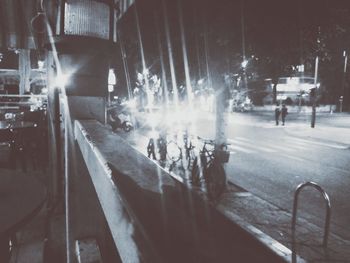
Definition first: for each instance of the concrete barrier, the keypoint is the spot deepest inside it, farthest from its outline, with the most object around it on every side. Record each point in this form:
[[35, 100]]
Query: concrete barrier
[[154, 218], [87, 251]]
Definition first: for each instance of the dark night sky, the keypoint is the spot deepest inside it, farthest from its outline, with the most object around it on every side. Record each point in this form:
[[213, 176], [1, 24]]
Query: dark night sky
[[273, 29]]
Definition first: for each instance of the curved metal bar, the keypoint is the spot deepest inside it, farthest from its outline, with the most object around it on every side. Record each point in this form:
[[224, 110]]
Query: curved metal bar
[[328, 212]]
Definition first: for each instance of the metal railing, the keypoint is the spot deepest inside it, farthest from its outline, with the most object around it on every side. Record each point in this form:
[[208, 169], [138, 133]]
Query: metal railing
[[12, 107], [328, 212]]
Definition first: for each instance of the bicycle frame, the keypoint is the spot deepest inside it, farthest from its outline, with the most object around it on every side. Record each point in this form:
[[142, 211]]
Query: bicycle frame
[[206, 156], [213, 172]]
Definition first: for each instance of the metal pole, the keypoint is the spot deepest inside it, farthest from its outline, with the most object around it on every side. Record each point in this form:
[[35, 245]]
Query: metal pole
[[221, 121], [343, 81], [125, 66], [328, 211], [313, 116]]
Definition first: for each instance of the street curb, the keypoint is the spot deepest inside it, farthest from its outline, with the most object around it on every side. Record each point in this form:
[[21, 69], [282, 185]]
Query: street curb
[[269, 242], [277, 247]]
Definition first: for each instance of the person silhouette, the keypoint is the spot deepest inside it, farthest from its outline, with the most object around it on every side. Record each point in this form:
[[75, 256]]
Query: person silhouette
[[284, 113], [151, 149], [277, 114]]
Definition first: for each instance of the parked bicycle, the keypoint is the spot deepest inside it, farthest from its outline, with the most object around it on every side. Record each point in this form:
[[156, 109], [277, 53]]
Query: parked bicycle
[[209, 168], [162, 146], [174, 155], [189, 151]]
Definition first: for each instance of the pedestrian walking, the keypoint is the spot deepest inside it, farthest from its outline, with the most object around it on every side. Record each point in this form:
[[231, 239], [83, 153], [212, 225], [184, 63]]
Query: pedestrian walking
[[284, 113], [151, 149], [277, 114]]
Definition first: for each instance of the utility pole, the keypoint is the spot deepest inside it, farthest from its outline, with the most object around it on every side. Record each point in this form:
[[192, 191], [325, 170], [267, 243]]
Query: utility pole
[[341, 99], [125, 65], [314, 95], [314, 92]]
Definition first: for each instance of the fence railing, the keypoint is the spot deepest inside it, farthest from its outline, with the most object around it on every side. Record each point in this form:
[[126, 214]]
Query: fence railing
[[12, 106]]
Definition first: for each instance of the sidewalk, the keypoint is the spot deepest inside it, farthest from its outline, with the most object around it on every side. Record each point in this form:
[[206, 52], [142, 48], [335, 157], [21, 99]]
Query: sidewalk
[[250, 211]]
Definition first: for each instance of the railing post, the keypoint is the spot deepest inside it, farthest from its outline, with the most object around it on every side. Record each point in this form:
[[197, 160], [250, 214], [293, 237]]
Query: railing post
[[328, 212]]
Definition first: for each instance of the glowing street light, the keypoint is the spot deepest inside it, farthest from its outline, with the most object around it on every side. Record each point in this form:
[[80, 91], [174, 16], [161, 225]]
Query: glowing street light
[[41, 64], [112, 81], [244, 63], [61, 80], [145, 72]]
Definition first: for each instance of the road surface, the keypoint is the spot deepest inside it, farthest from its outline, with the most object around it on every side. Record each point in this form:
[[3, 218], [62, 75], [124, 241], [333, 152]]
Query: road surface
[[269, 161]]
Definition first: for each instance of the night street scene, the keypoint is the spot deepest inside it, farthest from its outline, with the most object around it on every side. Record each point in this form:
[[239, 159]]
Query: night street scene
[[174, 131]]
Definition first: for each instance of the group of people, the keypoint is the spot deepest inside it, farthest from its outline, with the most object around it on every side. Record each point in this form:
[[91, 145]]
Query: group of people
[[281, 112]]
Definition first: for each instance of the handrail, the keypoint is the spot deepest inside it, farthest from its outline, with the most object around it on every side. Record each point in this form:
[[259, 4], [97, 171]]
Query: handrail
[[22, 96], [328, 212], [15, 102]]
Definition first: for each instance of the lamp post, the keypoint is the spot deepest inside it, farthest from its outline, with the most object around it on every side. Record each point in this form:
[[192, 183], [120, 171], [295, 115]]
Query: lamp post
[[244, 65], [313, 95], [314, 90], [341, 99]]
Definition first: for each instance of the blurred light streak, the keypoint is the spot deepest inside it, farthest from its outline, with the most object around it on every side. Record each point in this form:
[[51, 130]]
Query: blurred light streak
[[161, 56], [125, 65], [206, 52], [171, 60], [185, 59], [59, 83], [144, 67]]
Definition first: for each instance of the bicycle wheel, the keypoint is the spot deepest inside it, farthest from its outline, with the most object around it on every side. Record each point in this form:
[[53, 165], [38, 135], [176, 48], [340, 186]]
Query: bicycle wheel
[[174, 152], [215, 178]]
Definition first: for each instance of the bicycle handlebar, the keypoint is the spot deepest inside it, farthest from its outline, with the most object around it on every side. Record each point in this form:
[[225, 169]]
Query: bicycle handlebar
[[223, 146], [207, 141]]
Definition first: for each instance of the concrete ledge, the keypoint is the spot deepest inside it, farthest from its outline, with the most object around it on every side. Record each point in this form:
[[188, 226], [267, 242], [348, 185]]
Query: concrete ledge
[[154, 218], [29, 252], [87, 251]]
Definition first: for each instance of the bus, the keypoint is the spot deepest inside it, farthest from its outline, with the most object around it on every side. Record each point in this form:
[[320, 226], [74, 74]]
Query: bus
[[295, 89]]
